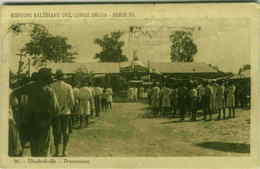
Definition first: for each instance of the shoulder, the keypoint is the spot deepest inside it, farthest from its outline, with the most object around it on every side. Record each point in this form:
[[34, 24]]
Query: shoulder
[[66, 85]]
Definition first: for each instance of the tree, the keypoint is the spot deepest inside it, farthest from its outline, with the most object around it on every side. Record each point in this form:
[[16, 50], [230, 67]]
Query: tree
[[111, 48], [43, 47], [244, 67], [183, 48]]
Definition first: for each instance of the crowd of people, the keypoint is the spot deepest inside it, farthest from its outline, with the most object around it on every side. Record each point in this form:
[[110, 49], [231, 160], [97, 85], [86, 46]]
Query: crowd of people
[[44, 111], [191, 98]]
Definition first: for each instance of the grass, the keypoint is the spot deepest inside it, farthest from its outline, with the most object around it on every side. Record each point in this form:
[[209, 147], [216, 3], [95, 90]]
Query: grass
[[125, 133]]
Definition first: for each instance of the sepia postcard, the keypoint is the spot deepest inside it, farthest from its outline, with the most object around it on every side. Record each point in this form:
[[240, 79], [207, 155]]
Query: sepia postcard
[[130, 86]]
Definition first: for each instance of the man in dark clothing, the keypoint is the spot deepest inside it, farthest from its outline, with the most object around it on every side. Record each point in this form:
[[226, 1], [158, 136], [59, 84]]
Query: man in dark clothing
[[42, 107], [182, 100]]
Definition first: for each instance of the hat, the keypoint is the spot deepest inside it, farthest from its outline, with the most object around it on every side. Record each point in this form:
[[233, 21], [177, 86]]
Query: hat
[[34, 76], [59, 74], [44, 74]]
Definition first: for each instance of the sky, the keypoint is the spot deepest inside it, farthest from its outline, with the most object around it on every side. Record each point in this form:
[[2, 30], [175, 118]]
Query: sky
[[221, 42]]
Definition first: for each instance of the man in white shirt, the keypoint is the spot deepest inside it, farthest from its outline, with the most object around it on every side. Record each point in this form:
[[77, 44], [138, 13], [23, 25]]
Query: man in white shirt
[[62, 123]]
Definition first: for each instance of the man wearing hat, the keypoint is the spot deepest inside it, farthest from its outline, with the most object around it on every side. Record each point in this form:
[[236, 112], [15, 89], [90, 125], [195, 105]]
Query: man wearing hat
[[62, 123], [42, 107]]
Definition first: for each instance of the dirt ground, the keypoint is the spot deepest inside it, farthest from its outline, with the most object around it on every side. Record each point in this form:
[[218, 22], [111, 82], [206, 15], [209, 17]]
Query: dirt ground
[[126, 132]]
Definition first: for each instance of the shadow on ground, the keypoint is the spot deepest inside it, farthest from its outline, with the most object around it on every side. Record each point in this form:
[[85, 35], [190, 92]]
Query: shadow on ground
[[226, 147]]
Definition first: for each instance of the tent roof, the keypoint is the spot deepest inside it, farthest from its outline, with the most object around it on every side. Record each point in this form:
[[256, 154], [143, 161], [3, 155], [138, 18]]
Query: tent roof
[[183, 67], [96, 67], [101, 67]]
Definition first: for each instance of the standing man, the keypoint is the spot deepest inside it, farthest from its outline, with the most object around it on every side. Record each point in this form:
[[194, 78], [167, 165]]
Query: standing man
[[97, 97], [130, 94], [155, 100], [75, 113], [62, 125], [174, 100], [135, 91], [141, 92], [231, 89], [193, 101], [205, 94], [182, 100], [166, 101], [92, 99], [109, 97], [212, 88], [220, 100], [208, 101], [84, 104], [42, 108]]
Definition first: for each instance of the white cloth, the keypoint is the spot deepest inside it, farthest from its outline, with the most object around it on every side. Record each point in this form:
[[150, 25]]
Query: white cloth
[[65, 96]]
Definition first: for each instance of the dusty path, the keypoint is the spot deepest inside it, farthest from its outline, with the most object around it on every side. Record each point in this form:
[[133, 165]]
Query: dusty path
[[125, 133]]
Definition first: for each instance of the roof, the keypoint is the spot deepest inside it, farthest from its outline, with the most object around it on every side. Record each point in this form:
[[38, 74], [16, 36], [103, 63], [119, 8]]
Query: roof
[[183, 67], [109, 67], [96, 67]]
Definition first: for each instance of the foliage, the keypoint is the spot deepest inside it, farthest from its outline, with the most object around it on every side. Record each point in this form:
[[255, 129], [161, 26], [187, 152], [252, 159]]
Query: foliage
[[182, 48], [244, 67], [16, 80], [111, 48], [43, 47]]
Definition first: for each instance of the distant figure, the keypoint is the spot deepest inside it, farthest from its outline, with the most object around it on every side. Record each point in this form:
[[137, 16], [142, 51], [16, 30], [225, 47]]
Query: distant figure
[[182, 100], [135, 93], [62, 125], [193, 102], [149, 95], [141, 92], [205, 93], [165, 100], [212, 87], [104, 100], [174, 101], [231, 99], [220, 100], [42, 108], [84, 105], [75, 111], [155, 100], [98, 97], [130, 94], [92, 99], [201, 93], [109, 98]]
